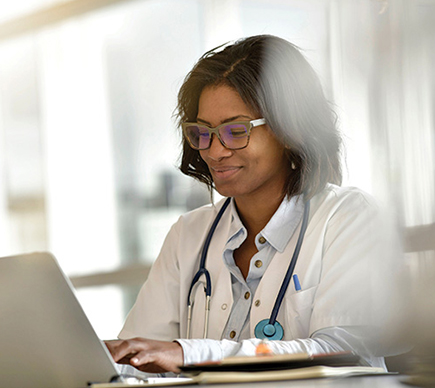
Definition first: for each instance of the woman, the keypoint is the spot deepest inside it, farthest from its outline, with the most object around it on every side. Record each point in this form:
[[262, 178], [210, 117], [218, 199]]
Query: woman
[[258, 129]]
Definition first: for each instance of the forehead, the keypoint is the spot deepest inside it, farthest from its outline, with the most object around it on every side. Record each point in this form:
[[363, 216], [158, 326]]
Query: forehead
[[218, 103]]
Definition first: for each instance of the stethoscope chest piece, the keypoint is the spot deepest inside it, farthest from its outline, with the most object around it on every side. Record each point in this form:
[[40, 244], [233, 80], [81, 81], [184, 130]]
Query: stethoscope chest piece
[[266, 330]]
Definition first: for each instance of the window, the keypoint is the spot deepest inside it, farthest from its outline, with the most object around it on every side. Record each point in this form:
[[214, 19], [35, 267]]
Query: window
[[89, 145]]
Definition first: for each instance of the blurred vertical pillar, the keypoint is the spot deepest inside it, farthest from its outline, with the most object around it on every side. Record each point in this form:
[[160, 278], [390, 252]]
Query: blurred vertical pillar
[[403, 110], [382, 75], [4, 232], [351, 58], [78, 149]]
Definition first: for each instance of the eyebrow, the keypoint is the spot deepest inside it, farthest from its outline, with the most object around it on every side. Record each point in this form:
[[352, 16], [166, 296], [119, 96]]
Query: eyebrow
[[229, 119]]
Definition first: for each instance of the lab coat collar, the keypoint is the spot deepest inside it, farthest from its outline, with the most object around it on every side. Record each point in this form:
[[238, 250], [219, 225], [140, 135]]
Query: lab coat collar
[[284, 222], [236, 228], [278, 230]]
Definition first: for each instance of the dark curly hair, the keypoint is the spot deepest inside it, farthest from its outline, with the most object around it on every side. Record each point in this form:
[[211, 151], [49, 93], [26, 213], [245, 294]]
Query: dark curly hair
[[276, 81]]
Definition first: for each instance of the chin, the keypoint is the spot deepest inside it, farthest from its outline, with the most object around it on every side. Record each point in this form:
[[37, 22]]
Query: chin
[[226, 191]]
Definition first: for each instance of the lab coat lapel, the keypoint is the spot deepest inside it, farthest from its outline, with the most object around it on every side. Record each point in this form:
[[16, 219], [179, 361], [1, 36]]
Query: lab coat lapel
[[268, 288]]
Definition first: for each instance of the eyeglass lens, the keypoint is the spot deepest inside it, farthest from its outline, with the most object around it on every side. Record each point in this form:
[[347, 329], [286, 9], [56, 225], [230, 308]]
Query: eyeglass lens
[[233, 136]]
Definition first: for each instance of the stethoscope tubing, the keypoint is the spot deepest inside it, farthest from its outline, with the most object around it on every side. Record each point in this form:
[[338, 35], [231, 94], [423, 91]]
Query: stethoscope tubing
[[203, 271], [291, 268], [207, 245]]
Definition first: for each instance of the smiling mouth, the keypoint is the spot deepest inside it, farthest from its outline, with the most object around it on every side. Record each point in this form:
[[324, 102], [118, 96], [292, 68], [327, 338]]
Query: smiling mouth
[[224, 169], [224, 172]]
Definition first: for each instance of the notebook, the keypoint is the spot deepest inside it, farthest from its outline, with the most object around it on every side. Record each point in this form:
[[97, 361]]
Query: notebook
[[273, 362], [46, 339]]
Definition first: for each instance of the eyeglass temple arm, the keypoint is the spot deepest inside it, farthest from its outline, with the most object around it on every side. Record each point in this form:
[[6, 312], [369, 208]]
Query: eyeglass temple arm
[[257, 122]]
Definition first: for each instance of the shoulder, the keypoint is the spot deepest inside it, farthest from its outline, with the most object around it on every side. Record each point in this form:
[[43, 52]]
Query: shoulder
[[336, 198], [344, 205]]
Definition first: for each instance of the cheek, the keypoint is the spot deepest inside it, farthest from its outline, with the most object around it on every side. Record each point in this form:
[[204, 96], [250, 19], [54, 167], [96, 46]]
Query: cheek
[[203, 155], [267, 153], [276, 161]]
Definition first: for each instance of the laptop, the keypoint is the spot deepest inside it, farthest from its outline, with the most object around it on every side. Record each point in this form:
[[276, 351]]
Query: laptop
[[46, 339]]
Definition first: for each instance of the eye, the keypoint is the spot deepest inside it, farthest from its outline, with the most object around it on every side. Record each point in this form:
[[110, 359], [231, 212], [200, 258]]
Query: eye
[[237, 131], [202, 132]]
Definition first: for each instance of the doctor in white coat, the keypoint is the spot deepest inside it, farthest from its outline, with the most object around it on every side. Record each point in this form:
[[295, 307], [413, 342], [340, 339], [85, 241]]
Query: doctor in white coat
[[258, 129]]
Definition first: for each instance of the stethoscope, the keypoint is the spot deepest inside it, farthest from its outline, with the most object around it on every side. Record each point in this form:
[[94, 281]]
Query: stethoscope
[[270, 328]]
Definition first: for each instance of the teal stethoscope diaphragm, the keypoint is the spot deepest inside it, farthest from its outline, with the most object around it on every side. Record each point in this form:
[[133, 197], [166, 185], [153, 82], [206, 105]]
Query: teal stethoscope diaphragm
[[266, 330]]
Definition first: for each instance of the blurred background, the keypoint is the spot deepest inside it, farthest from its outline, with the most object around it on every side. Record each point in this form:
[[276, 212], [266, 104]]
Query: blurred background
[[89, 146]]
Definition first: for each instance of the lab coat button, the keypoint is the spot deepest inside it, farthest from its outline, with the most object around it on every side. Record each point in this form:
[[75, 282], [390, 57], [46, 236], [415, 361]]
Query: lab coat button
[[261, 240], [257, 303], [247, 295], [224, 306], [258, 263], [232, 334]]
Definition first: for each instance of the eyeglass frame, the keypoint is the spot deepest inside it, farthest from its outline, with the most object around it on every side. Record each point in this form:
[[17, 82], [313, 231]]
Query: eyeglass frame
[[248, 123]]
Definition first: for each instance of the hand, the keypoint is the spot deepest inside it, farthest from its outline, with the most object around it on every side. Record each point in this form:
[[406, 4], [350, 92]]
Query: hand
[[147, 355]]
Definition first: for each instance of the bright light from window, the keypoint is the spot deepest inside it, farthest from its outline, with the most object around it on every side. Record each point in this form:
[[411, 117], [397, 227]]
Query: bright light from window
[[13, 9]]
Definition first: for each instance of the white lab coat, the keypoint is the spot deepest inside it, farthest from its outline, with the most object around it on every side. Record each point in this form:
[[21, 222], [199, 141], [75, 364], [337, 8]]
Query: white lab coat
[[345, 265]]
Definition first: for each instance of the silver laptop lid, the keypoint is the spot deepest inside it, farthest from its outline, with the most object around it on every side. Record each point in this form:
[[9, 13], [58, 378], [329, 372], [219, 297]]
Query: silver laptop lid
[[46, 339]]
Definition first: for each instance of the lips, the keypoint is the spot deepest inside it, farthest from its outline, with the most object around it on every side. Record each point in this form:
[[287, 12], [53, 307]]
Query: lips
[[224, 172]]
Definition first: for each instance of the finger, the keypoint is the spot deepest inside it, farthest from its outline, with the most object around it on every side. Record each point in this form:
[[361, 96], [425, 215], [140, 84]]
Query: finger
[[125, 360], [159, 360], [112, 345], [149, 362], [123, 350]]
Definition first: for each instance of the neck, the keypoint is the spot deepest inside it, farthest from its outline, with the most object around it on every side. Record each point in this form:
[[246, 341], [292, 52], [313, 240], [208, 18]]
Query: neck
[[255, 214]]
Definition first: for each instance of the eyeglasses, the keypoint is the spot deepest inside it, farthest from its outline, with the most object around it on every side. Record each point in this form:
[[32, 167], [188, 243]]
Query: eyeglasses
[[233, 135]]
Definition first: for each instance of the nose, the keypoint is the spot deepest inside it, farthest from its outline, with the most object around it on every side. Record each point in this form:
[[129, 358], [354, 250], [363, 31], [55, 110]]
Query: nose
[[217, 151]]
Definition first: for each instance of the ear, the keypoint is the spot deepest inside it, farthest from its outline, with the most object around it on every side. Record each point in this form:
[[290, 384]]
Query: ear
[[290, 156]]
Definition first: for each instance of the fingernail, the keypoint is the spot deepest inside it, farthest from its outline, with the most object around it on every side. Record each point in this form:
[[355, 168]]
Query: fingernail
[[134, 360]]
